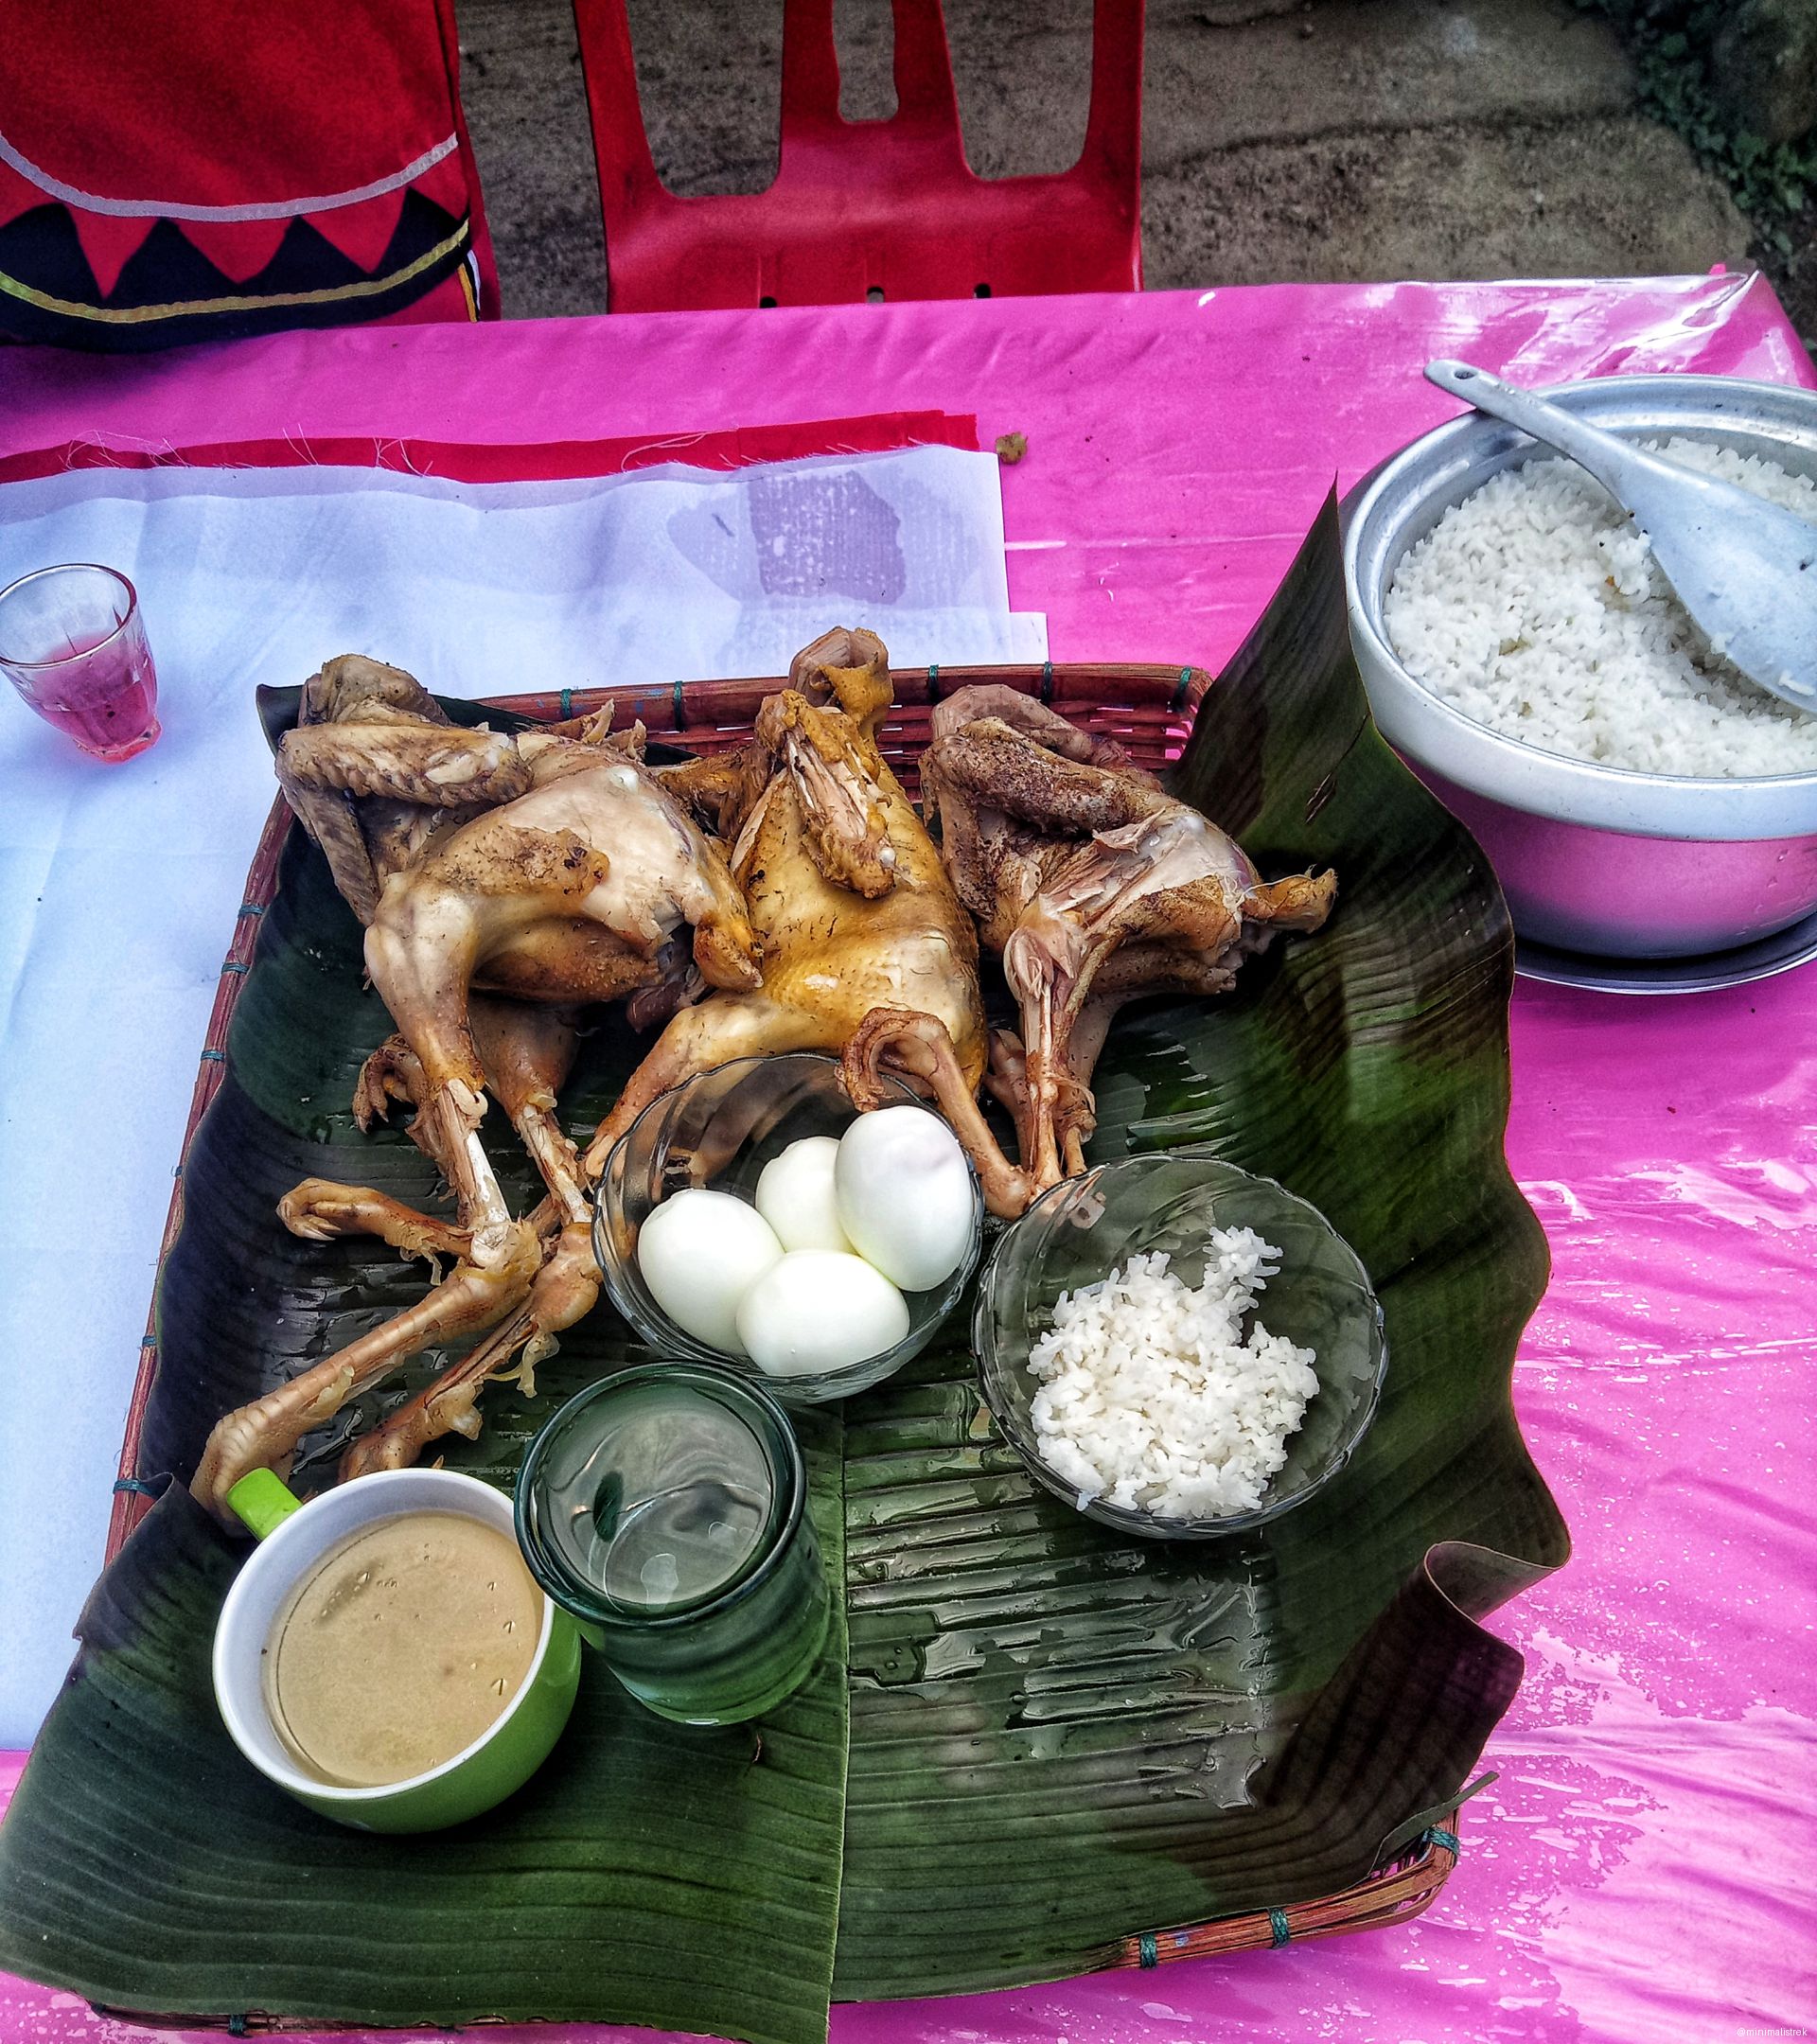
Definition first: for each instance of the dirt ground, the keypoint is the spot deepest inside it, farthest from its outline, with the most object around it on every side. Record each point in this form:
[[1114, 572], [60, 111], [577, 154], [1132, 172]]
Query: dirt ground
[[1283, 139]]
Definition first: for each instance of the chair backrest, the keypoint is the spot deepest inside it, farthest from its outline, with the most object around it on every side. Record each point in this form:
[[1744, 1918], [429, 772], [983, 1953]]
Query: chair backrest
[[862, 208]]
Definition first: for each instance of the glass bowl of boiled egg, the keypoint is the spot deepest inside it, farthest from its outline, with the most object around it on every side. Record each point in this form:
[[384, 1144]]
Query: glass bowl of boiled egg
[[752, 1218]]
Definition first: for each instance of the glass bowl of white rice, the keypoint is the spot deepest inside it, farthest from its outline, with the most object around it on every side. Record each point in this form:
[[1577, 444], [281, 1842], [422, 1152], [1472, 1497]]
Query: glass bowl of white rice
[[1176, 1348], [1637, 796]]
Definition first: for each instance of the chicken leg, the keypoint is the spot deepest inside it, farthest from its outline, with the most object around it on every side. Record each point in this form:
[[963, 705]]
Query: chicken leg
[[527, 1055]]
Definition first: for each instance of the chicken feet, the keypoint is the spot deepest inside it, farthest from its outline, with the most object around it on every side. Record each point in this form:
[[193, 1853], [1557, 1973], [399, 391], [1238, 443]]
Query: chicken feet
[[528, 1054]]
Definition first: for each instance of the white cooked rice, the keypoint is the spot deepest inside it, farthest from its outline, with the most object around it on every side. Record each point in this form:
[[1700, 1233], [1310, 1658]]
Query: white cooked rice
[[1535, 607], [1153, 1398]]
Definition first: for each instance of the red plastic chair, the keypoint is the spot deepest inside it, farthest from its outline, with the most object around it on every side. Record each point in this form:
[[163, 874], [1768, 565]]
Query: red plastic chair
[[860, 208]]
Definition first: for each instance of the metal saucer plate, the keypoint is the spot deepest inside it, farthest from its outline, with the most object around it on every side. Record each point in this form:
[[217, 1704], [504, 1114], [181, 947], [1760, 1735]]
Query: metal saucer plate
[[1702, 975]]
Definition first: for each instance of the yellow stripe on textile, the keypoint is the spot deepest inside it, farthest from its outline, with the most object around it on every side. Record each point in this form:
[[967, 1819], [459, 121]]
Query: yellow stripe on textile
[[136, 316]]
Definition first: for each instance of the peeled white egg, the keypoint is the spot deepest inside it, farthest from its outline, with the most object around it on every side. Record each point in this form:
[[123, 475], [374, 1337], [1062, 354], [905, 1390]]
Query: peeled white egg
[[820, 1309], [904, 1195], [699, 1253], [795, 1195]]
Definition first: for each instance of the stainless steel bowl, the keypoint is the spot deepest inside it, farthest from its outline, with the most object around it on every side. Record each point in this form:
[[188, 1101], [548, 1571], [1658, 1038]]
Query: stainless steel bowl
[[1592, 858]]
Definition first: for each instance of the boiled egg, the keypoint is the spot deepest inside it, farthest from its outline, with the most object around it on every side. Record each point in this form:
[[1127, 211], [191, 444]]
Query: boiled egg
[[795, 1195], [903, 1195], [700, 1253], [820, 1309]]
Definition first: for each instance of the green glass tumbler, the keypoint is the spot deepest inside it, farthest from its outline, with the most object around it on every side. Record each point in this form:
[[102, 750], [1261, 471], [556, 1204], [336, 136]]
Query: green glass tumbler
[[666, 1509]]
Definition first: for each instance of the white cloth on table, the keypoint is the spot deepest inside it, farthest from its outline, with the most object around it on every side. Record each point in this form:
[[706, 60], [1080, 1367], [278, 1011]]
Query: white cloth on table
[[118, 885]]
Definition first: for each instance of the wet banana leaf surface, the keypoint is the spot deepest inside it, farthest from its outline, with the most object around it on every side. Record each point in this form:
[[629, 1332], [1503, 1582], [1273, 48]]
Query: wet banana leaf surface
[[1058, 1737], [650, 1873], [1061, 1737]]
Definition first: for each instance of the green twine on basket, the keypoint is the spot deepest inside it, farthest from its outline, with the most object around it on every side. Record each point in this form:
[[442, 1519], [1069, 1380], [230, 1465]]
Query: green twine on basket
[[1423, 1828], [1147, 1951], [567, 704], [1282, 1931], [138, 1486]]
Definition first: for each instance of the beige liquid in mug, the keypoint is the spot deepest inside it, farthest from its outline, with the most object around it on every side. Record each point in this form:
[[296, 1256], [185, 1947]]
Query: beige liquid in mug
[[399, 1647]]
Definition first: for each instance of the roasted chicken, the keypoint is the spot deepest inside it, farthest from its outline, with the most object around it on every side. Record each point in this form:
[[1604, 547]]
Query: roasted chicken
[[1095, 886], [846, 892], [574, 893], [575, 889]]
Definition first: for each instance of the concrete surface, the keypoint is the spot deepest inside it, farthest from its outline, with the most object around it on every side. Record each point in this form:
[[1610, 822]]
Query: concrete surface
[[1282, 139]]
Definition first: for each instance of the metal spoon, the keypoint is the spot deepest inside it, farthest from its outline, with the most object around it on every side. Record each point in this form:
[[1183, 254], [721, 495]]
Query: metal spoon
[[1744, 568]]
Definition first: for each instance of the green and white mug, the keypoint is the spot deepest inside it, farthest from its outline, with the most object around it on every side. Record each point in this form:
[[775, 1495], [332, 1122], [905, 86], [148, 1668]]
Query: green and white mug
[[292, 1539]]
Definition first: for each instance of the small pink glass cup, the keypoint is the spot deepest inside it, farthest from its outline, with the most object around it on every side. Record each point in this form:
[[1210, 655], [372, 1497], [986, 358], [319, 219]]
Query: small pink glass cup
[[73, 644]]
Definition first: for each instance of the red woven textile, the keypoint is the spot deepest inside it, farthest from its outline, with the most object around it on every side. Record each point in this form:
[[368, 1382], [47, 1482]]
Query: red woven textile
[[181, 174]]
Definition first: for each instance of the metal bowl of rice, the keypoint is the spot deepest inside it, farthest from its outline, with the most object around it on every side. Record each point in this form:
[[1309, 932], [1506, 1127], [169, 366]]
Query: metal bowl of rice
[[1636, 799]]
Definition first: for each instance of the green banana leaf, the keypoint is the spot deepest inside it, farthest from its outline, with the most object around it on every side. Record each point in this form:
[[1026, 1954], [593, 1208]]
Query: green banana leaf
[[1057, 1738]]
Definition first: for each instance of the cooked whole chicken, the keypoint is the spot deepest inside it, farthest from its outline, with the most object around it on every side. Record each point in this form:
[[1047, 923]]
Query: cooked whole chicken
[[846, 892], [575, 889], [1096, 886], [569, 894]]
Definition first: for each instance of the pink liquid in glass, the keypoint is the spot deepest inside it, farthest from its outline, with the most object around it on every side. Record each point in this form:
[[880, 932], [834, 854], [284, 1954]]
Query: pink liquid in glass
[[73, 644], [105, 696]]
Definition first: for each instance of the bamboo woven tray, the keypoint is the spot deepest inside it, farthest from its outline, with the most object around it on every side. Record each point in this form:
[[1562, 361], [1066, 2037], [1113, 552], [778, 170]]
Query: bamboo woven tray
[[1286, 1757]]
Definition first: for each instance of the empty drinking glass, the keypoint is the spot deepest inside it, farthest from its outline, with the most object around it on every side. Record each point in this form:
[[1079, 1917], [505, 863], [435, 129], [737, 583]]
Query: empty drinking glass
[[666, 1509], [73, 644]]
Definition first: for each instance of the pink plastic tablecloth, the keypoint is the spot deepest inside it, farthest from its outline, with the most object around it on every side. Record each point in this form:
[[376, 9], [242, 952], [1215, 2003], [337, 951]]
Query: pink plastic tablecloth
[[1643, 1871]]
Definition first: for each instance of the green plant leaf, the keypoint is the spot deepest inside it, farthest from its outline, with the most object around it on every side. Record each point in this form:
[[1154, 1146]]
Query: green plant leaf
[[1058, 1735], [650, 1873], [1058, 1738]]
